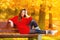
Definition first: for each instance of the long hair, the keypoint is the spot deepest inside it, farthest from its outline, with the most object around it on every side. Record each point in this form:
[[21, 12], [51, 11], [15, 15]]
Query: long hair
[[19, 16]]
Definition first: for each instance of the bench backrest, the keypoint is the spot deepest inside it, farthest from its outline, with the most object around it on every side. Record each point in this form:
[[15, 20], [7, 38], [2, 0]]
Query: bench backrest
[[3, 28]]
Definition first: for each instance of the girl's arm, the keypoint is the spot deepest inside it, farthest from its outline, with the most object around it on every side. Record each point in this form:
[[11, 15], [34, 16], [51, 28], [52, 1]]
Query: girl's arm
[[10, 23]]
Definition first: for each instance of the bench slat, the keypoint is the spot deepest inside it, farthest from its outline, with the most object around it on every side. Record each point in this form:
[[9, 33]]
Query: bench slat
[[17, 35]]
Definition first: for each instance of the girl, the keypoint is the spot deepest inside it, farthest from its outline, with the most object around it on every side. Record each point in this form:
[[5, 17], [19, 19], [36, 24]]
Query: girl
[[24, 24]]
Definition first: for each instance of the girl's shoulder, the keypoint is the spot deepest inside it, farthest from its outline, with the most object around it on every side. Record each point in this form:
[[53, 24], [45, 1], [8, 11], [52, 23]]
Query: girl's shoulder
[[15, 17], [29, 18]]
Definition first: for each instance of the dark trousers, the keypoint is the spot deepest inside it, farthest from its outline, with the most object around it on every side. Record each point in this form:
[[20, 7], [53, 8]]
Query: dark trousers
[[36, 31]]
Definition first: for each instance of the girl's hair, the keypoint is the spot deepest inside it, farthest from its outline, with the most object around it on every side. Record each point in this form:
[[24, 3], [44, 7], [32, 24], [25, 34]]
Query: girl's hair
[[19, 16]]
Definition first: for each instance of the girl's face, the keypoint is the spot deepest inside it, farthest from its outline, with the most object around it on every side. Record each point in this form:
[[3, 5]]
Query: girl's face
[[23, 13]]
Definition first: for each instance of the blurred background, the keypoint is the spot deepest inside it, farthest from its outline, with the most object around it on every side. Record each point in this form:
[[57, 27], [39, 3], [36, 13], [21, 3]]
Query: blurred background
[[45, 12]]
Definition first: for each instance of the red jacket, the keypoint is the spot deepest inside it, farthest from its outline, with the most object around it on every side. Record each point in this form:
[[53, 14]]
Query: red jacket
[[22, 25]]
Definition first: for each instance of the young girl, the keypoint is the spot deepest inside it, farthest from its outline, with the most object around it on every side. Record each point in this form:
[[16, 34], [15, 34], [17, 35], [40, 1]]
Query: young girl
[[24, 24]]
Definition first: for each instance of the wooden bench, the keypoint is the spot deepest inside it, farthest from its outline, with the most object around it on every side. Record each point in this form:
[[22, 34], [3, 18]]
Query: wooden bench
[[9, 32]]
